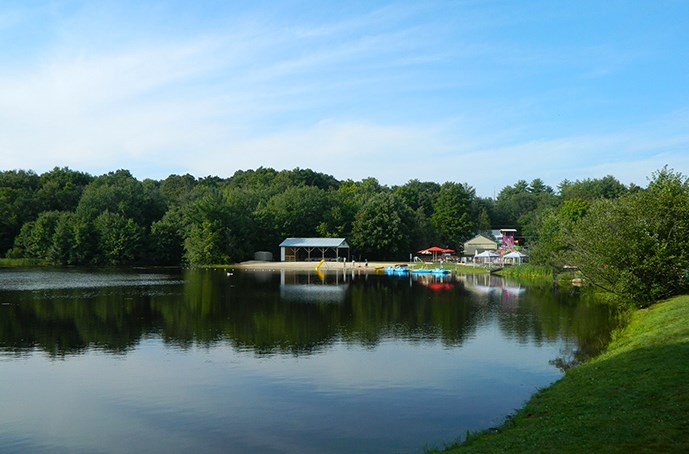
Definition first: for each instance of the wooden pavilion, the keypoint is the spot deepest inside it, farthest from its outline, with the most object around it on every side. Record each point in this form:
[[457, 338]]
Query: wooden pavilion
[[313, 249]]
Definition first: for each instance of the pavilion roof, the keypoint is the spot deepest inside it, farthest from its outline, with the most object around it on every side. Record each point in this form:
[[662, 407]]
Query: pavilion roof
[[315, 242]]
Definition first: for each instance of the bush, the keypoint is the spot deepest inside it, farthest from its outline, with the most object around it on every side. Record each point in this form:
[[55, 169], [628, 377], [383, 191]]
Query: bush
[[637, 246]]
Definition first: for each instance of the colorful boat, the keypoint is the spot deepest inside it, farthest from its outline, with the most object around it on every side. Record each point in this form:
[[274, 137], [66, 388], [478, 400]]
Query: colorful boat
[[399, 269]]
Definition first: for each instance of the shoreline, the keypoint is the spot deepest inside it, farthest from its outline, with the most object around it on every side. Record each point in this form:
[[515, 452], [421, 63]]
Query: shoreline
[[311, 266], [371, 267], [632, 397]]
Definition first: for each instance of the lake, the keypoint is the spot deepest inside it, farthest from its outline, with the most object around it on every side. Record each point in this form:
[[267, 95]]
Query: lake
[[166, 360]]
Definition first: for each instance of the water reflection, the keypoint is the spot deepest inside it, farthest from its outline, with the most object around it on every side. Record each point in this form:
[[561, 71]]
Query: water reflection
[[65, 278], [314, 288], [163, 360], [265, 312]]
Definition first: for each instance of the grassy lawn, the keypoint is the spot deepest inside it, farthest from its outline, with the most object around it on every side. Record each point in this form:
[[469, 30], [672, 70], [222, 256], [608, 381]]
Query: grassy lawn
[[461, 269], [13, 263], [633, 398]]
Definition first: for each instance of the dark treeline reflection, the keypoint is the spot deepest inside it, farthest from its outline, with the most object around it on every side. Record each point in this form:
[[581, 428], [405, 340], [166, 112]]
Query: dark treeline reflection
[[272, 312]]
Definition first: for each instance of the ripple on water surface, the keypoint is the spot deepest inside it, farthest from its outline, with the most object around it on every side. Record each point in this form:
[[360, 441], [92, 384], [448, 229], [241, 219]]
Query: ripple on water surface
[[31, 280]]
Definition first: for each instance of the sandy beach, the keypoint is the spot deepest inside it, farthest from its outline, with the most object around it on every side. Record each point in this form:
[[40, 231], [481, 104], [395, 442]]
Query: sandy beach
[[259, 265]]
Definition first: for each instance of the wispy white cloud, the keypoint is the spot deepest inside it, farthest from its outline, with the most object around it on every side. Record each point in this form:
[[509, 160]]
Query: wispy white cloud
[[347, 150], [397, 153], [630, 154], [192, 96], [78, 106]]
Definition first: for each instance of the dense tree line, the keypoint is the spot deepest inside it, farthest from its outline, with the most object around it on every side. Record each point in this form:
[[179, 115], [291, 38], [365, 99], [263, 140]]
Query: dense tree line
[[625, 239], [69, 217]]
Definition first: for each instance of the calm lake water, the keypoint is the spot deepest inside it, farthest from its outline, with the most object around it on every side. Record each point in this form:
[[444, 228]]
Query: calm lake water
[[151, 360]]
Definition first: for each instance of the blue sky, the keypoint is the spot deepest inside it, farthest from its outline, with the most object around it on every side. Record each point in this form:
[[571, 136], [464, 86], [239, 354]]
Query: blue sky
[[477, 92]]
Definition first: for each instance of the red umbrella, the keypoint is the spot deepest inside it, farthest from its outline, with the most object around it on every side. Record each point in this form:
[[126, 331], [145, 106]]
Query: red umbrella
[[432, 250]]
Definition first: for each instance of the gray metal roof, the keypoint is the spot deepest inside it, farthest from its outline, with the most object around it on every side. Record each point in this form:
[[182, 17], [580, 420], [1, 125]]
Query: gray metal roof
[[315, 242]]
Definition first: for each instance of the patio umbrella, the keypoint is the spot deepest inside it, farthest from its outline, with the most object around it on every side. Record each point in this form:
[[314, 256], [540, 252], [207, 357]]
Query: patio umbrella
[[433, 250]]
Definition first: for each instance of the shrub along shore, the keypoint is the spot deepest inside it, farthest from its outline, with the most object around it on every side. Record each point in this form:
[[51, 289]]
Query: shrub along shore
[[632, 398]]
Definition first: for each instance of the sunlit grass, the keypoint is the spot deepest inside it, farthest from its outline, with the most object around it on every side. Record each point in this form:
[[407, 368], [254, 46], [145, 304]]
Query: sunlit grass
[[526, 271], [15, 263], [633, 398]]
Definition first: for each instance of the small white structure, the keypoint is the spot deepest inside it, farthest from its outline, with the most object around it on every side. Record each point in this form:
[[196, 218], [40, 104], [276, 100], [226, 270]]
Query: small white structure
[[263, 256], [486, 257], [516, 257]]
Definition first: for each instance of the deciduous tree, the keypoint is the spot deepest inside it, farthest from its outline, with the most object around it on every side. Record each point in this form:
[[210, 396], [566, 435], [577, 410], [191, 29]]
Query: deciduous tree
[[637, 246], [452, 213], [382, 228]]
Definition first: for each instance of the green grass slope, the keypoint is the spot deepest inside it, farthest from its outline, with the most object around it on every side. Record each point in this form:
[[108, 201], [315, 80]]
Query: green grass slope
[[633, 398]]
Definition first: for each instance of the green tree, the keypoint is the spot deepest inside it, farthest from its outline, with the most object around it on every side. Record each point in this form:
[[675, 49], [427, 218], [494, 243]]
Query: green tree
[[208, 239], [18, 204], [61, 189], [452, 213], [296, 212], [120, 193], [636, 246], [521, 205], [35, 239], [589, 189], [423, 232], [511, 203], [382, 228], [347, 200], [119, 238], [167, 237], [307, 177], [207, 243], [64, 248], [242, 204], [554, 231], [177, 190], [85, 249], [417, 194]]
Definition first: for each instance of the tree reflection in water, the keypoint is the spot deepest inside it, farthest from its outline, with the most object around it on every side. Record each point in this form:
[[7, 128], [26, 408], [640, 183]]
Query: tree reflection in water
[[289, 312]]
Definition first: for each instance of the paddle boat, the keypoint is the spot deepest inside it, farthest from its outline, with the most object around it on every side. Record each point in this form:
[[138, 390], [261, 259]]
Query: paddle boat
[[399, 269], [438, 271]]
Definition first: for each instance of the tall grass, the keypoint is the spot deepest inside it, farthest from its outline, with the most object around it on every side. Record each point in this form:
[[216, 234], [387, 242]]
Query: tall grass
[[526, 272], [16, 263]]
